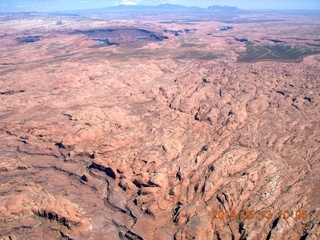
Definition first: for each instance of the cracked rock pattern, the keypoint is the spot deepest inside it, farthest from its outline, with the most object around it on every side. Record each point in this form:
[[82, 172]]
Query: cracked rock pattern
[[94, 146]]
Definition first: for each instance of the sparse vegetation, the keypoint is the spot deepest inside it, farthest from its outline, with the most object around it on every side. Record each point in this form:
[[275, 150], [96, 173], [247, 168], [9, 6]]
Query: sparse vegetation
[[278, 52]]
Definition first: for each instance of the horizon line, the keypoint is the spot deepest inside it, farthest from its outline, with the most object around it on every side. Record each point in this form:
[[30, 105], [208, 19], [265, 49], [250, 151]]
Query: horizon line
[[173, 4]]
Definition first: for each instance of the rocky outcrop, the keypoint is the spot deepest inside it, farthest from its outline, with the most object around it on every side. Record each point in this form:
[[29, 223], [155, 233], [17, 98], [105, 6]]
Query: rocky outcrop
[[103, 143]]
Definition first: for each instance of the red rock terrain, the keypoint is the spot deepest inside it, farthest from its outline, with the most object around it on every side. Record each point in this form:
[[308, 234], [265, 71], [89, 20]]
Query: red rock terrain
[[151, 140]]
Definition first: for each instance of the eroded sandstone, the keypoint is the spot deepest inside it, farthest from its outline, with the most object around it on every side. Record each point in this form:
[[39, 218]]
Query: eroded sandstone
[[132, 142]]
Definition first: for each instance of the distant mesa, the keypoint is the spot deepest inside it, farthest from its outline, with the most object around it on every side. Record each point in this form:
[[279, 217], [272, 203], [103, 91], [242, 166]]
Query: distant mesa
[[28, 39], [117, 36]]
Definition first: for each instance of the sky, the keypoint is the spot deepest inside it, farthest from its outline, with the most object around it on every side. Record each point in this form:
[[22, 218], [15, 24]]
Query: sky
[[61, 5]]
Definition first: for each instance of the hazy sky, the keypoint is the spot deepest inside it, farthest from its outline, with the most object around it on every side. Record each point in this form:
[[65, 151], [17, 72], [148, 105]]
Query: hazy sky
[[56, 5]]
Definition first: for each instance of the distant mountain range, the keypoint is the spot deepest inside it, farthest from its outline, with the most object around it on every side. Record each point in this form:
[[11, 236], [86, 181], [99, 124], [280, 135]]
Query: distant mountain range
[[161, 8], [217, 8], [147, 8], [173, 7]]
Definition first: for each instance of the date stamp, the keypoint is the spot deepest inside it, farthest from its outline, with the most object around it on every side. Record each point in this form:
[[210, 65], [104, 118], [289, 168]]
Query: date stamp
[[250, 214]]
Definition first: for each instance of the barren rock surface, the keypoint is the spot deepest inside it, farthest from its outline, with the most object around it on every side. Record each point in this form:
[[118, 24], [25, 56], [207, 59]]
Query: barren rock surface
[[149, 141]]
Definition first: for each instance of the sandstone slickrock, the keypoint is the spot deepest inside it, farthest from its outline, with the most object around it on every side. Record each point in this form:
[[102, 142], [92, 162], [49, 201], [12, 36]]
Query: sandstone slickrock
[[133, 142]]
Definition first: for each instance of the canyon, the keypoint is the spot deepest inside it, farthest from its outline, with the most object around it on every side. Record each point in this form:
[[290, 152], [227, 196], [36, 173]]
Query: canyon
[[115, 128]]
